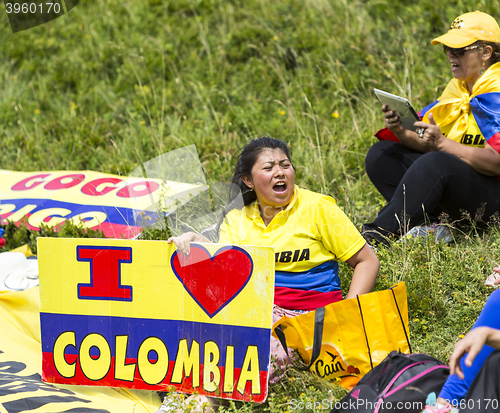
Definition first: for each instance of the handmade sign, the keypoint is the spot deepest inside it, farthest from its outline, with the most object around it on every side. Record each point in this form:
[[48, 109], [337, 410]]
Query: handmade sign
[[94, 200], [138, 314]]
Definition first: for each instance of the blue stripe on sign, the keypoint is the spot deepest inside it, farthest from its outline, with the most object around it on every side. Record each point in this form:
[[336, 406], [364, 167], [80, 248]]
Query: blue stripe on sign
[[115, 215]]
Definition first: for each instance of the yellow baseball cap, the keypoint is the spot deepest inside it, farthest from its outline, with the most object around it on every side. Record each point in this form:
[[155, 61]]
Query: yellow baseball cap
[[469, 28]]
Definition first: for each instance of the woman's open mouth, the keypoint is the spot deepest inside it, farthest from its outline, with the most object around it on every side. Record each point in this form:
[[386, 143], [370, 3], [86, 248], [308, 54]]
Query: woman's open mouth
[[279, 188]]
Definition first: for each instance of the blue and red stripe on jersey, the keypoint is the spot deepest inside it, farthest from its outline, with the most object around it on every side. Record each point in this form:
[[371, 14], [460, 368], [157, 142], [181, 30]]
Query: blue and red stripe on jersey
[[307, 290]]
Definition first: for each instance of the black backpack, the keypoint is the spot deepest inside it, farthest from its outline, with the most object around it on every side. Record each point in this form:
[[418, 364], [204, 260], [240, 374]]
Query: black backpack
[[400, 384]]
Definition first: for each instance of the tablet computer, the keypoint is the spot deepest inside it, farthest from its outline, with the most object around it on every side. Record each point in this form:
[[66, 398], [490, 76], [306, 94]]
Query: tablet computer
[[402, 106]]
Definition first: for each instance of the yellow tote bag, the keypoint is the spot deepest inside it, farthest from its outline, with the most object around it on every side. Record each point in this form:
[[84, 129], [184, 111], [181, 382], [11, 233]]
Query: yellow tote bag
[[346, 339]]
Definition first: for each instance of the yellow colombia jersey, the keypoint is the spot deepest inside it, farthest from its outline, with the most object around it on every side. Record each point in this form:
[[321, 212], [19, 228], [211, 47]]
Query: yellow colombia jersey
[[309, 236]]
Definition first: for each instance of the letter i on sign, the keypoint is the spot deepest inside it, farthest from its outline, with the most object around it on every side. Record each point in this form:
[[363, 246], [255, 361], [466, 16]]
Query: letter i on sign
[[105, 273]]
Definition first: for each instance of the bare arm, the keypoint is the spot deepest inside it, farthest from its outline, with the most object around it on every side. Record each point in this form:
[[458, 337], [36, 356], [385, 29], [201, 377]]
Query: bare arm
[[485, 160], [182, 242], [366, 266]]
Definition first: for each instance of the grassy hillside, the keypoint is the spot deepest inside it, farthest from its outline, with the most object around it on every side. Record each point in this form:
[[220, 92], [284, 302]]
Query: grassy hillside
[[113, 83]]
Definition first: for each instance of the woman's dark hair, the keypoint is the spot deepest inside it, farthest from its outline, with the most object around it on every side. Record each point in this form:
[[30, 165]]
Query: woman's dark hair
[[246, 160], [495, 56]]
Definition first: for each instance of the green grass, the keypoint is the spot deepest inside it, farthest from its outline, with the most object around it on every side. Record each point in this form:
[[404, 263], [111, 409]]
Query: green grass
[[113, 84]]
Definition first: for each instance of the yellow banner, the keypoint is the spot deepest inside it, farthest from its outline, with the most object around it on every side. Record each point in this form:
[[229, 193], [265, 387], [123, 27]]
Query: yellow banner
[[119, 206], [21, 386]]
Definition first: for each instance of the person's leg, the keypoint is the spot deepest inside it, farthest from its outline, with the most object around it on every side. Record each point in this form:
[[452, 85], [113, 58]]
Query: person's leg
[[484, 393], [386, 163], [436, 181], [279, 357], [454, 388]]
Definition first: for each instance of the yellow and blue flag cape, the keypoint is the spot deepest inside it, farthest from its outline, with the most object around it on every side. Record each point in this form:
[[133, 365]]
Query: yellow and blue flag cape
[[454, 105], [451, 109]]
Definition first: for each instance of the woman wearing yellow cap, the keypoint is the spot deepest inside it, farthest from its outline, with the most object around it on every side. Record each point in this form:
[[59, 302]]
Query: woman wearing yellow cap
[[452, 163]]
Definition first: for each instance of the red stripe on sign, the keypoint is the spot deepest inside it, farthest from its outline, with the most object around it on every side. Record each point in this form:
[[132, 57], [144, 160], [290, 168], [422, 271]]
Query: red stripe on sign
[[51, 374]]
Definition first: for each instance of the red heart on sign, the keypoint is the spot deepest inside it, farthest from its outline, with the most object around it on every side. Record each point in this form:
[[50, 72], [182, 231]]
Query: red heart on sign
[[213, 282]]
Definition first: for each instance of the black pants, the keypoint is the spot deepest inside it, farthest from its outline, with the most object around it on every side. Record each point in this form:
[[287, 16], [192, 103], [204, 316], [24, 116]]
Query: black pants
[[425, 185], [484, 392]]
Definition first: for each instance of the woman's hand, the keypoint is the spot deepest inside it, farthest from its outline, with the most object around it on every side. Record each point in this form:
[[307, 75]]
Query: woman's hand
[[472, 344], [430, 134], [407, 137], [183, 242], [497, 270], [484, 160], [392, 120]]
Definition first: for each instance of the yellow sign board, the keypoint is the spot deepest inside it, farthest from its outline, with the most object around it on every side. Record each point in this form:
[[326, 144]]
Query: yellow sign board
[[138, 314]]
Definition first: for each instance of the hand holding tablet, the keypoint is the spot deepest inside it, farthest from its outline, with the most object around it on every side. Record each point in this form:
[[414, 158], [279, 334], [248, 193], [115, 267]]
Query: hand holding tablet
[[402, 107]]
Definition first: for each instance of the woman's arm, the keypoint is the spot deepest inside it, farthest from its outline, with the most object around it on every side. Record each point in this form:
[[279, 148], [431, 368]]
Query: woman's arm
[[472, 344], [485, 160], [182, 242], [366, 266]]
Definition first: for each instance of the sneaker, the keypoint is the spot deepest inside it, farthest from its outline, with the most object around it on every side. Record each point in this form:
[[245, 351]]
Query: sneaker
[[373, 238], [441, 232], [490, 281]]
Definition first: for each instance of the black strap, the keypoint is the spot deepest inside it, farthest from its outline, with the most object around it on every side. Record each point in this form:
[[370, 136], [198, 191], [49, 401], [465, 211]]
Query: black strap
[[364, 330], [319, 319], [401, 318]]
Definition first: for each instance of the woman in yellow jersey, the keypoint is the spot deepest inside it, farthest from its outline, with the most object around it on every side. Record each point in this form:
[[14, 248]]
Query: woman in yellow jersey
[[308, 231], [452, 163]]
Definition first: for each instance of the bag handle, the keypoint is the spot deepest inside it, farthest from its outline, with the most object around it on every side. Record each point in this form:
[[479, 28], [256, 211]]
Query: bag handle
[[401, 318], [319, 319], [364, 331]]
